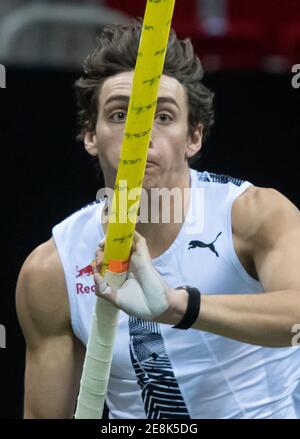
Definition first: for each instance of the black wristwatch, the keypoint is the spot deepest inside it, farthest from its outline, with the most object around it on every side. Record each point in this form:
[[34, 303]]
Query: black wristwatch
[[193, 308]]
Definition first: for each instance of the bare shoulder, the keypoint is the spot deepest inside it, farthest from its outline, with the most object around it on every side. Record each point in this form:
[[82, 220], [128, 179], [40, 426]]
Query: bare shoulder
[[261, 212], [41, 296]]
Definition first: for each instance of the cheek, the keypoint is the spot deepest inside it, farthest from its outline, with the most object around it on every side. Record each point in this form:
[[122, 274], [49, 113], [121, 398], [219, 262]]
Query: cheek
[[177, 141], [109, 142]]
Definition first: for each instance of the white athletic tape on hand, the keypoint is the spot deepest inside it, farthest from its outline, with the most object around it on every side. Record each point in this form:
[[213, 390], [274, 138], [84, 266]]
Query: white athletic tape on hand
[[144, 298]]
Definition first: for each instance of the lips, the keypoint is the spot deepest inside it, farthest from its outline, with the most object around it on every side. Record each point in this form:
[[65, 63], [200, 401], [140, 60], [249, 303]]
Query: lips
[[151, 161], [150, 165]]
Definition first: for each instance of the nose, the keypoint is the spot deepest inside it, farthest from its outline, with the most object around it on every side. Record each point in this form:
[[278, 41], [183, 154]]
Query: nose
[[152, 141]]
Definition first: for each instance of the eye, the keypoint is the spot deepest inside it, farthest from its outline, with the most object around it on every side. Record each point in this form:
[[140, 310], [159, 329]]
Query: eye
[[118, 117], [164, 118]]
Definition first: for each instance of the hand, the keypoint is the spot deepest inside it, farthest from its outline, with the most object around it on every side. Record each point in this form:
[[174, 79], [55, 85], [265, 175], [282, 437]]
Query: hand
[[144, 294]]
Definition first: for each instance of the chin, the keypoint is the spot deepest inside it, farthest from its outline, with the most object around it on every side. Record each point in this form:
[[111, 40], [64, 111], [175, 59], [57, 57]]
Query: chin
[[151, 181]]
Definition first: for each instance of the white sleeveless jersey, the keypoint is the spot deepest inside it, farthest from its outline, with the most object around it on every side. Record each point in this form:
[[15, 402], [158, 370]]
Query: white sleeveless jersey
[[160, 372], [297, 400]]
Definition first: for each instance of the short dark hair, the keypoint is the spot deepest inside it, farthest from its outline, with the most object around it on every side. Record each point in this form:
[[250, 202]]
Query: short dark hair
[[116, 52]]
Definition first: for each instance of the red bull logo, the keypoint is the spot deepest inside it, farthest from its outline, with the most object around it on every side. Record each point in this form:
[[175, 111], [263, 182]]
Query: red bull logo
[[85, 271]]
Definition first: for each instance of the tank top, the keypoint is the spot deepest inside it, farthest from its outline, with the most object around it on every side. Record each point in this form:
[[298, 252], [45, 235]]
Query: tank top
[[159, 372]]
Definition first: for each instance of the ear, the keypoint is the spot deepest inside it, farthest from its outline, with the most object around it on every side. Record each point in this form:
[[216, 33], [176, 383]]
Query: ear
[[90, 143], [194, 141]]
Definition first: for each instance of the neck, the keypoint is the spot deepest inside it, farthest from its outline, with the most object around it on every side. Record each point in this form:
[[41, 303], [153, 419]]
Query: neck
[[162, 213]]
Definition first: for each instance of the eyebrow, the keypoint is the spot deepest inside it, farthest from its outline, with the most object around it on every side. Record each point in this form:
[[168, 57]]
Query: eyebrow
[[124, 98]]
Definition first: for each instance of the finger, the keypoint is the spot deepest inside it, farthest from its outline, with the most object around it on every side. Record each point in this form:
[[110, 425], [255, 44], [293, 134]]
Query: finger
[[102, 286], [99, 254], [99, 258], [140, 243], [101, 245], [141, 253], [133, 244], [137, 237], [104, 290]]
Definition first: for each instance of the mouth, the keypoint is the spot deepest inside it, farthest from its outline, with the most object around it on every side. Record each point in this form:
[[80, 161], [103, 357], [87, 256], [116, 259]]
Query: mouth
[[150, 166], [150, 163]]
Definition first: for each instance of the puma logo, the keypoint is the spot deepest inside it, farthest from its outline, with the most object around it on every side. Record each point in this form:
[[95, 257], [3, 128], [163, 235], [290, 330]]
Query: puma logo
[[195, 244]]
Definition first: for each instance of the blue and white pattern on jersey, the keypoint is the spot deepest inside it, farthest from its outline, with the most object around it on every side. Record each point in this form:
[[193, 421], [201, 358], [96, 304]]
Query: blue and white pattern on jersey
[[218, 178], [160, 391]]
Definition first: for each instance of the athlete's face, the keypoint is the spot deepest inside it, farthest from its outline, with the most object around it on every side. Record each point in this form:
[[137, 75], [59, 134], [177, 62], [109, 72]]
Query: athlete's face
[[171, 144]]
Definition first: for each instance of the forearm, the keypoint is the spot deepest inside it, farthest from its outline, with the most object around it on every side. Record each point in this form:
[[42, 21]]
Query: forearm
[[52, 378], [49, 397], [264, 319]]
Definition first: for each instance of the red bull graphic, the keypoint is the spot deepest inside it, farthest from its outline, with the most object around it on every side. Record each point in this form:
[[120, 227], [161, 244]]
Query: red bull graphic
[[86, 271]]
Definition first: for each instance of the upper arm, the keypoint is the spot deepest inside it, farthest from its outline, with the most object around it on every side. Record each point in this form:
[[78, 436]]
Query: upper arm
[[269, 225], [54, 356]]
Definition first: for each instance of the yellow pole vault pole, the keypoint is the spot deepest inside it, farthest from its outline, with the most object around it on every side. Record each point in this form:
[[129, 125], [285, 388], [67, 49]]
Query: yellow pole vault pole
[[123, 214]]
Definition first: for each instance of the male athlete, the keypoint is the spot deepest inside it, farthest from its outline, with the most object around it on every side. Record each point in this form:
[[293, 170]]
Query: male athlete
[[209, 307]]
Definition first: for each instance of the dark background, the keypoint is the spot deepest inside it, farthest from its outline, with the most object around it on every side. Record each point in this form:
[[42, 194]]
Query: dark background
[[46, 175]]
